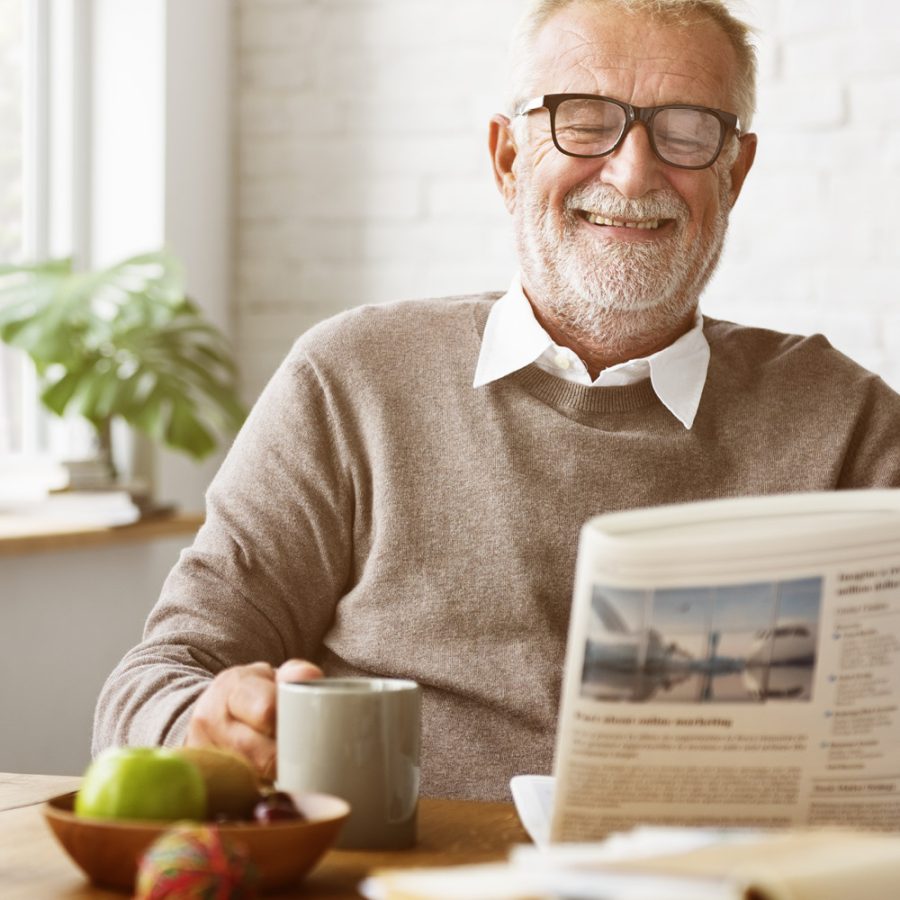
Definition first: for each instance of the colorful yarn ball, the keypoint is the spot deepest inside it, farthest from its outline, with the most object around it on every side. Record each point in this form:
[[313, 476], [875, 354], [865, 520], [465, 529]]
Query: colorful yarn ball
[[193, 862]]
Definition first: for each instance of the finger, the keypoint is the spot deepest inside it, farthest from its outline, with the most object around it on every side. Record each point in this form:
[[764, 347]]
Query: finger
[[295, 670], [198, 735], [236, 737], [259, 749], [260, 668], [251, 701], [211, 726], [208, 720]]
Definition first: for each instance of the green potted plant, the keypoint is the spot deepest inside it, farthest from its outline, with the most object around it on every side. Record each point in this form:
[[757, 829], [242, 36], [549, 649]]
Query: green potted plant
[[123, 342]]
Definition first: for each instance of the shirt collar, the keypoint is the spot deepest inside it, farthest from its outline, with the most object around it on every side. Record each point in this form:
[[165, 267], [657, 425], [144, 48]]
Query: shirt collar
[[513, 338]]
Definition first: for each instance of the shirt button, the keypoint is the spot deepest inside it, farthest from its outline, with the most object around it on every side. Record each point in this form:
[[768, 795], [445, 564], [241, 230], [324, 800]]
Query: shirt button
[[562, 361]]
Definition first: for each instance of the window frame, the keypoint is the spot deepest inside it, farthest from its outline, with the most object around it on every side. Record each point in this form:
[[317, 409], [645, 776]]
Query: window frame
[[56, 208]]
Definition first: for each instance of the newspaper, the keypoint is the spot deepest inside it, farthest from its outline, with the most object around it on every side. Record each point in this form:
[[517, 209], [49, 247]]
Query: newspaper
[[734, 663], [669, 864]]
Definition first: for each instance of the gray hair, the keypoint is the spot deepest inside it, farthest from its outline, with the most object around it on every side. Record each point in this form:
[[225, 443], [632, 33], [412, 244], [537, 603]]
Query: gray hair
[[685, 12]]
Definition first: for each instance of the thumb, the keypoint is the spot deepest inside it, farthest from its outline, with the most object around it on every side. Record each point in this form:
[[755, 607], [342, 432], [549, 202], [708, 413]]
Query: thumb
[[294, 670]]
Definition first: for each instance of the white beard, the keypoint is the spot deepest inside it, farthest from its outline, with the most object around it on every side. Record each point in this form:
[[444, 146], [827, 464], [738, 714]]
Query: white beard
[[608, 293]]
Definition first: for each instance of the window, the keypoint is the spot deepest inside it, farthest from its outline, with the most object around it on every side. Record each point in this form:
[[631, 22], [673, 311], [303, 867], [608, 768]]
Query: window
[[43, 69], [12, 46], [120, 144]]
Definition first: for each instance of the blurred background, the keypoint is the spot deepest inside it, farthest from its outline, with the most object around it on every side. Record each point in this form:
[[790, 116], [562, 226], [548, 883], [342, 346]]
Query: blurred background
[[300, 157]]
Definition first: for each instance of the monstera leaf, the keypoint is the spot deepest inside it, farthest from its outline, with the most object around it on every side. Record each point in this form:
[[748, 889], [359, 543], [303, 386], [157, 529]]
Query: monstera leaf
[[124, 342]]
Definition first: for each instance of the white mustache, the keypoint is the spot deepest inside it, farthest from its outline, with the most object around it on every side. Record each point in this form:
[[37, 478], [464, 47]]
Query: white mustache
[[607, 201]]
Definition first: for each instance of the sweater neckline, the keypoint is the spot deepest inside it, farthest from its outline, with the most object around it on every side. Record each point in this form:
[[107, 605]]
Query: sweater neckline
[[565, 394]]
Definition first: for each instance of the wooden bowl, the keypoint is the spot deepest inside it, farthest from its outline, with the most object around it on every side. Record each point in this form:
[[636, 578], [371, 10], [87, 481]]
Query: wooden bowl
[[109, 851]]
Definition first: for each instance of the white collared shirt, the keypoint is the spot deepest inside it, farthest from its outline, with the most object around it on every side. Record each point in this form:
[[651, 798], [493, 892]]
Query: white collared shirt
[[513, 338]]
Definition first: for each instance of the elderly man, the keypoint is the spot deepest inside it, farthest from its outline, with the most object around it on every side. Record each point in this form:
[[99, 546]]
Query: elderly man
[[406, 496]]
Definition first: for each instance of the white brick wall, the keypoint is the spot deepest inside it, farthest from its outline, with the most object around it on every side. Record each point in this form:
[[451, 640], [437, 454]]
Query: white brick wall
[[364, 175]]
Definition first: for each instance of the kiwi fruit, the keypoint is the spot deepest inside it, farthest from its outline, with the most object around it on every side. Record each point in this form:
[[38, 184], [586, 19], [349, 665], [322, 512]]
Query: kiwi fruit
[[232, 785]]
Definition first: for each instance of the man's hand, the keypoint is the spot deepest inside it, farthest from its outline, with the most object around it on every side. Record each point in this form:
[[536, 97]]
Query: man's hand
[[237, 710]]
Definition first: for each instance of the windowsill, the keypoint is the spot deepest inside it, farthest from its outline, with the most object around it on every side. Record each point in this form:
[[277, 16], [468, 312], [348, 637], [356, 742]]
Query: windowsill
[[38, 537]]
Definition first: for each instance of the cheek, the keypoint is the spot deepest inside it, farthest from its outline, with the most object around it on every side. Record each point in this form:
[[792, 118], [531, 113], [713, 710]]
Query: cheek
[[703, 197], [556, 175]]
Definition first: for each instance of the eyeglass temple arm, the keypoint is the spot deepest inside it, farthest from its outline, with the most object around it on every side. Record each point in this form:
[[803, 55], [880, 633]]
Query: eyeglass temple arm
[[527, 106]]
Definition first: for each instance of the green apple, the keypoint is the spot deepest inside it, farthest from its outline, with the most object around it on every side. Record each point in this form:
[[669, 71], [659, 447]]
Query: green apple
[[142, 783]]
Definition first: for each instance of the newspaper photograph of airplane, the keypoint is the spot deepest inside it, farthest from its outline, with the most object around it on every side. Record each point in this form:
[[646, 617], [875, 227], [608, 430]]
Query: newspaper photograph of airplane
[[728, 644]]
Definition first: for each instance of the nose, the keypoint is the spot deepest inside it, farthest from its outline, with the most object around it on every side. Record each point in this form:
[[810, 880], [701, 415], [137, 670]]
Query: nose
[[633, 169]]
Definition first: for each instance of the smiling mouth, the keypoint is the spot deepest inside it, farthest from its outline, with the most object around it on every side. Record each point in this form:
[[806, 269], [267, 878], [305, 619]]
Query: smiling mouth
[[639, 224]]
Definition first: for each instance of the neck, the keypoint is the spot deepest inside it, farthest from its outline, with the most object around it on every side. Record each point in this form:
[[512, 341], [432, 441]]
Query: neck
[[615, 336]]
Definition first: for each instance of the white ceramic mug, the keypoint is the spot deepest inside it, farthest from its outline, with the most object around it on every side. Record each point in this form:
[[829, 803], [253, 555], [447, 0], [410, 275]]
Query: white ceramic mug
[[360, 739]]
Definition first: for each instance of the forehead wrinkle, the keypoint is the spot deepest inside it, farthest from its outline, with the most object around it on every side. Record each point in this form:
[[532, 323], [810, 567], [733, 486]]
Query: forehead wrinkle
[[583, 50], [700, 68], [662, 85], [593, 64], [662, 60], [594, 73]]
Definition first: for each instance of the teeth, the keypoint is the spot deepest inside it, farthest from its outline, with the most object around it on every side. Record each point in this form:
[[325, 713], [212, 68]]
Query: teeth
[[647, 225]]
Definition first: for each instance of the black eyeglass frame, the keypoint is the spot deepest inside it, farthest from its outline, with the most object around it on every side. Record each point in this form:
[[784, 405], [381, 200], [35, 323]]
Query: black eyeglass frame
[[644, 114]]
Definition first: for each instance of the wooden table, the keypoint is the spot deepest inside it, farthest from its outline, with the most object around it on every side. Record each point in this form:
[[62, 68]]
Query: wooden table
[[34, 867]]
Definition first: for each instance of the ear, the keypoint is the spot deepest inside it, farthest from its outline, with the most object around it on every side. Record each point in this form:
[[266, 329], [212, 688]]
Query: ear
[[503, 154], [742, 165]]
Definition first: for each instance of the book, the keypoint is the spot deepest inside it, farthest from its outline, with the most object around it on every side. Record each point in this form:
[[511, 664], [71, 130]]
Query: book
[[69, 510]]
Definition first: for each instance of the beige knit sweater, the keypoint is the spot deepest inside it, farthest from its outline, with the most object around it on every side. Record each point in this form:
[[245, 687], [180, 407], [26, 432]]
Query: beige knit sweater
[[378, 514]]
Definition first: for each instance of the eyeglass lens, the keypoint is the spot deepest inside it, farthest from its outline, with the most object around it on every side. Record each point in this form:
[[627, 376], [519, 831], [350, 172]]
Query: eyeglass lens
[[683, 137]]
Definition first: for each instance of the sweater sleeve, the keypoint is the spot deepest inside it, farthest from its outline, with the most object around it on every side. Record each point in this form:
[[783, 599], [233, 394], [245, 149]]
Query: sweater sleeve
[[873, 454], [264, 575]]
